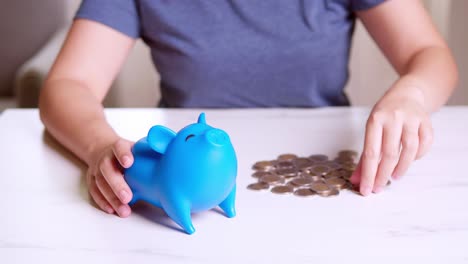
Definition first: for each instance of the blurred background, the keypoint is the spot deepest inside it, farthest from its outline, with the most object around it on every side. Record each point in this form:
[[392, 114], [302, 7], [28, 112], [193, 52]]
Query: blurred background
[[32, 33]]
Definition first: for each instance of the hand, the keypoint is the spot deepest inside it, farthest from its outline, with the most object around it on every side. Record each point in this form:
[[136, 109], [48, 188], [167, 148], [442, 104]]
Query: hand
[[398, 132], [105, 180]]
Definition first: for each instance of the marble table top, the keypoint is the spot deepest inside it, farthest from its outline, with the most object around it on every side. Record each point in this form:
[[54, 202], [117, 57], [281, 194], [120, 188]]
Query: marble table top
[[46, 215]]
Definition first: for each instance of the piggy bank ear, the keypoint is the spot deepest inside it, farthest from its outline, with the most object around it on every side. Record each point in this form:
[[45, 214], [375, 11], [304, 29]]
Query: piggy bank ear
[[201, 119], [159, 138]]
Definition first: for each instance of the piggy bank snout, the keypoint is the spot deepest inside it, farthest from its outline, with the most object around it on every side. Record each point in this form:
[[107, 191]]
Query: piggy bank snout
[[217, 137]]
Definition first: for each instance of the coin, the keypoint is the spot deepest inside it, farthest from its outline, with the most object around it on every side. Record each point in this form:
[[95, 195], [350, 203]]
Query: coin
[[347, 153], [349, 166], [349, 186], [304, 192], [337, 183], [331, 192], [291, 185], [264, 165], [302, 181], [332, 174], [306, 176], [320, 169], [258, 186], [284, 164], [333, 164], [282, 189], [272, 179], [287, 156], [344, 160], [303, 163], [318, 157], [319, 187], [287, 172], [259, 174], [312, 175]]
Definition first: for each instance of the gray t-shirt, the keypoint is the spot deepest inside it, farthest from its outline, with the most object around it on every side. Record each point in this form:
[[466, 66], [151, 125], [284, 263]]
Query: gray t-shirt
[[241, 53]]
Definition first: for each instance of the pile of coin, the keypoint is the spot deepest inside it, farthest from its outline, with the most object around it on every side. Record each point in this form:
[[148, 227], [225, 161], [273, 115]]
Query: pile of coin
[[306, 176]]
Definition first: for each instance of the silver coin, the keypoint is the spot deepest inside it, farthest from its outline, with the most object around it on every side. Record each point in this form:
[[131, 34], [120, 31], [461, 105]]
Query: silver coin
[[304, 192], [332, 192], [318, 157], [258, 186], [348, 153], [287, 156], [302, 181], [272, 179], [320, 169], [284, 164], [303, 163], [320, 187], [282, 189], [287, 172], [265, 165], [333, 165], [337, 183], [259, 174]]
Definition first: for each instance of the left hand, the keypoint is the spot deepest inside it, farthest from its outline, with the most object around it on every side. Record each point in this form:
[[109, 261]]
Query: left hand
[[398, 132]]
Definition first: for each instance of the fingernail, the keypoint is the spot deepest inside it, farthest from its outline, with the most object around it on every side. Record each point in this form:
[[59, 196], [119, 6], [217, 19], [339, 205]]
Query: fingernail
[[125, 160], [124, 211], [123, 196], [366, 190], [109, 209], [378, 189]]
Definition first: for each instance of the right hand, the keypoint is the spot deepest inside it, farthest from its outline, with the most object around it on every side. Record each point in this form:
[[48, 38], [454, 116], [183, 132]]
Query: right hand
[[105, 180]]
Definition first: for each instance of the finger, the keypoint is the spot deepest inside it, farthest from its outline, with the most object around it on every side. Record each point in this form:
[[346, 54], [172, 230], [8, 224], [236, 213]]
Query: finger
[[391, 142], [410, 144], [99, 198], [115, 179], [123, 152], [355, 178], [123, 210], [370, 155], [426, 136]]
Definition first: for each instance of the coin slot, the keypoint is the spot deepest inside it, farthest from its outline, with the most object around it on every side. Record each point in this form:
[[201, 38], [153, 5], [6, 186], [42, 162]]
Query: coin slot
[[189, 136]]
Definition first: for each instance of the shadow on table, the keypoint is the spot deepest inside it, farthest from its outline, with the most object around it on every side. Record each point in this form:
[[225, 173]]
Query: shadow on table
[[158, 216], [147, 211], [53, 144], [154, 214]]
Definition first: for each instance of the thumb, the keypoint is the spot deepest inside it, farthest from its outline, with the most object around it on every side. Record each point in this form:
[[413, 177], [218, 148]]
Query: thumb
[[123, 152]]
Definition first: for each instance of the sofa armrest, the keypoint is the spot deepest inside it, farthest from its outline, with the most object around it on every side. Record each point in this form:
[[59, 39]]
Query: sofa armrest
[[138, 71], [31, 75]]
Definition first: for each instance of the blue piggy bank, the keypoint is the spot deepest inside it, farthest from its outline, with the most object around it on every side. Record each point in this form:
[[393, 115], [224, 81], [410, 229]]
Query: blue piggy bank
[[191, 171]]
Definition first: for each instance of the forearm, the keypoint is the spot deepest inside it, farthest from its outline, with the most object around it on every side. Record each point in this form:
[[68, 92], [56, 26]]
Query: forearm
[[430, 76], [75, 117]]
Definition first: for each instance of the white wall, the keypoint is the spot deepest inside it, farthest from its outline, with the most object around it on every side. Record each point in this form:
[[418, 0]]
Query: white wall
[[371, 74]]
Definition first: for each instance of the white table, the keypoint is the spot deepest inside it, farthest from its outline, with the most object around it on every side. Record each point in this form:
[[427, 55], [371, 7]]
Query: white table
[[46, 216]]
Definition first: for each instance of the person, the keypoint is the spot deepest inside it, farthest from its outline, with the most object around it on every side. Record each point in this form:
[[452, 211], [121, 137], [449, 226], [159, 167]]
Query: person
[[244, 53]]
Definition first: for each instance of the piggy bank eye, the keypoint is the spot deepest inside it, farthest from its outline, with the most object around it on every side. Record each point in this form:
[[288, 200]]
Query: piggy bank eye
[[189, 136]]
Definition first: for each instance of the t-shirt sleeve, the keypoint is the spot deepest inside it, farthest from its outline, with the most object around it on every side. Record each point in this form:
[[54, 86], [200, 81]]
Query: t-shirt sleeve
[[121, 15], [359, 5]]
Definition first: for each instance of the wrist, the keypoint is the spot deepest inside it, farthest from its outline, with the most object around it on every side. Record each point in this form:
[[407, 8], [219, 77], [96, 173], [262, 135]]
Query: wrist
[[408, 87]]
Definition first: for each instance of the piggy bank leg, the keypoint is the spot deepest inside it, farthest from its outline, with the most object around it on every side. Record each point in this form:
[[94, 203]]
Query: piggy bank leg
[[179, 212], [228, 205]]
